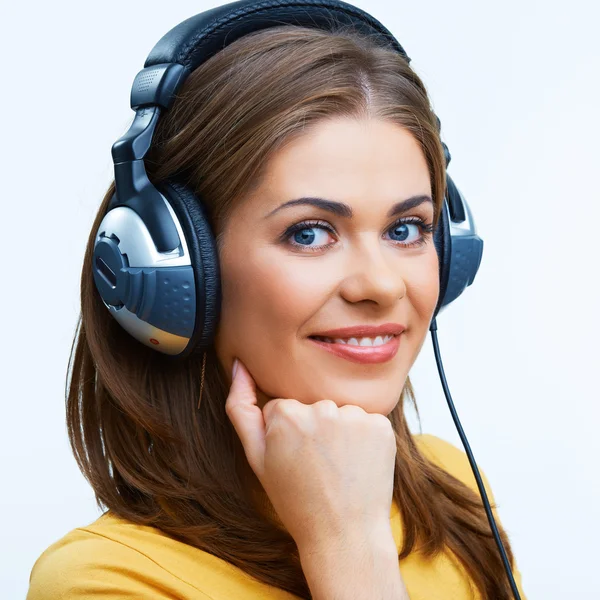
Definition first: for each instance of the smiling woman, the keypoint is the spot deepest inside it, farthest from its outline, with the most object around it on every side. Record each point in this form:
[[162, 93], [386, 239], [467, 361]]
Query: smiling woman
[[320, 167]]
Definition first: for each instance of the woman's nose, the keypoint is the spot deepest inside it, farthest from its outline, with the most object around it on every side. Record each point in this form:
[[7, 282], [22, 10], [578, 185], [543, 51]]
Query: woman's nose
[[374, 273]]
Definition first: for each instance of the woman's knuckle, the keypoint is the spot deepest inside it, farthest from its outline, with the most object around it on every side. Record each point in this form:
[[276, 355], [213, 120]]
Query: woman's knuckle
[[353, 413], [288, 407], [381, 422], [326, 408]]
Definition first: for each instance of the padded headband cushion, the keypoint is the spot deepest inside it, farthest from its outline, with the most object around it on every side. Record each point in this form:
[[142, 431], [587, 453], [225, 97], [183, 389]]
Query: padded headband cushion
[[198, 38], [205, 261]]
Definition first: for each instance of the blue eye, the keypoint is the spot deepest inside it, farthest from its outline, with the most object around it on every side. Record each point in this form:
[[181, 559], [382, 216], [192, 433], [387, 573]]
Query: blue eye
[[402, 230], [307, 235], [302, 235]]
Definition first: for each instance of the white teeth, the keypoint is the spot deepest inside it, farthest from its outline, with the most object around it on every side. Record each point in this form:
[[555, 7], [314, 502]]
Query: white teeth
[[365, 341]]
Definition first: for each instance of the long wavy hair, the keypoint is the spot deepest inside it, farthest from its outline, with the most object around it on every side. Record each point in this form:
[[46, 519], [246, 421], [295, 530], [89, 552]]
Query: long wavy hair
[[150, 453]]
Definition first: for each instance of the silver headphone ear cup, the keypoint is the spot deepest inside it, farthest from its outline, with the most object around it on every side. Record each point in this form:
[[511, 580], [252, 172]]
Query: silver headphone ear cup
[[149, 293], [459, 247]]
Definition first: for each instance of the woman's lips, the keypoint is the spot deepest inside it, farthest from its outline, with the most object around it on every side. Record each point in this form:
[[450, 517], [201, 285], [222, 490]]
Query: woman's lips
[[362, 354]]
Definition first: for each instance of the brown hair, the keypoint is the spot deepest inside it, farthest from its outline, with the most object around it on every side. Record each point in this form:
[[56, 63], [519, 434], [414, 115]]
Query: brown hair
[[150, 455]]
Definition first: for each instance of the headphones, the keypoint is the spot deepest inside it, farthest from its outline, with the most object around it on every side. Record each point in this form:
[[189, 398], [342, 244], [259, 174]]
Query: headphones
[[155, 261]]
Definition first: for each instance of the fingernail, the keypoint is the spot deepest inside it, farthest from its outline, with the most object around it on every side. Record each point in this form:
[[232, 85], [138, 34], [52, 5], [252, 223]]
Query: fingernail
[[235, 366]]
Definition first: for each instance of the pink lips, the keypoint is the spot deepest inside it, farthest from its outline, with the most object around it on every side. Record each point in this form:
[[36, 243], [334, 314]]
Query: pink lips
[[362, 354]]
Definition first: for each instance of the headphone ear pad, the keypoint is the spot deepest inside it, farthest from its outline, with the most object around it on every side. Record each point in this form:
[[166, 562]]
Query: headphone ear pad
[[443, 245], [204, 257]]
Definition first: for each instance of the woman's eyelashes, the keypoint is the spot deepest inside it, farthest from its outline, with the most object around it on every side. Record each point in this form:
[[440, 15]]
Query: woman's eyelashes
[[407, 232]]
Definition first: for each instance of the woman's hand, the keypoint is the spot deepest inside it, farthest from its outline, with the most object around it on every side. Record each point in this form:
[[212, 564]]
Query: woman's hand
[[327, 471]]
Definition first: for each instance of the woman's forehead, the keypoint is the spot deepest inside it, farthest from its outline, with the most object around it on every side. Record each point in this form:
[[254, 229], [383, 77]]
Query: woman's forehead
[[345, 160]]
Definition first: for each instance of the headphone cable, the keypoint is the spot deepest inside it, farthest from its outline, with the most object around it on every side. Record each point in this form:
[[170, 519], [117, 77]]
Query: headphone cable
[[463, 437]]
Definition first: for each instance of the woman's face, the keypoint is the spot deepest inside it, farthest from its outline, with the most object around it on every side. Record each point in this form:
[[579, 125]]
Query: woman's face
[[280, 287]]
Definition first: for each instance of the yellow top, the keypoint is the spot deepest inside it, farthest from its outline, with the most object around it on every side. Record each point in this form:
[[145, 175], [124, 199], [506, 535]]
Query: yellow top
[[113, 558]]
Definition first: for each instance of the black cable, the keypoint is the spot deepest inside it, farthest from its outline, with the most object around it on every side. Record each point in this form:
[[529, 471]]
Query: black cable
[[463, 437]]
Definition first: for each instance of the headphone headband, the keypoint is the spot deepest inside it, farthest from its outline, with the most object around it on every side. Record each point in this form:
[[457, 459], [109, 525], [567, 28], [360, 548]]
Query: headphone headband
[[189, 44]]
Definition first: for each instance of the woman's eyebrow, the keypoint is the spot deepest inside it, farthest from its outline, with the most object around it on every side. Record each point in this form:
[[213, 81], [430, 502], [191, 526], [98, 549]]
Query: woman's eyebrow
[[343, 210]]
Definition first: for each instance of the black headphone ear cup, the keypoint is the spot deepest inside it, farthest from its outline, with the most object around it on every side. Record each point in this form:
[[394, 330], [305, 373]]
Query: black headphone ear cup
[[202, 247], [442, 241]]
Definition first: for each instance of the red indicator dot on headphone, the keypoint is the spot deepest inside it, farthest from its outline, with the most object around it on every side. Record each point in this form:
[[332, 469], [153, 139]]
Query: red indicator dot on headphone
[[153, 341]]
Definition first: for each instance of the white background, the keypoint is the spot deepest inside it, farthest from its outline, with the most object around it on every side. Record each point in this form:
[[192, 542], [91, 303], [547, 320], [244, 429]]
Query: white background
[[515, 85]]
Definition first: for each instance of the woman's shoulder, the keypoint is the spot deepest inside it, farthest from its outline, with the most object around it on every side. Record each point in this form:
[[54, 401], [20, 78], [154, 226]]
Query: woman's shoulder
[[452, 459], [109, 557], [116, 558], [107, 531], [437, 448]]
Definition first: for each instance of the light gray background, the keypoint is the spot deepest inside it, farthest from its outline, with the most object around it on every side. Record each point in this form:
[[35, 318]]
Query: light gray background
[[515, 85]]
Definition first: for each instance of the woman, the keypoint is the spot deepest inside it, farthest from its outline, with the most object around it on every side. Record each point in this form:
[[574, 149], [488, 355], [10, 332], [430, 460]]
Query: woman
[[298, 477]]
